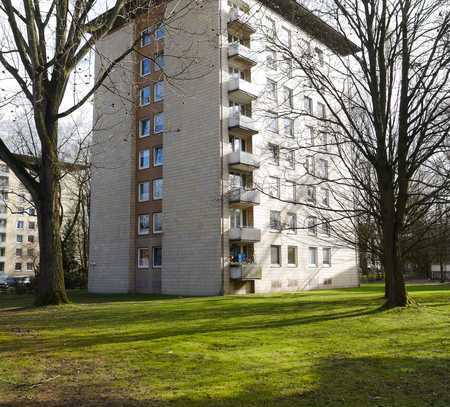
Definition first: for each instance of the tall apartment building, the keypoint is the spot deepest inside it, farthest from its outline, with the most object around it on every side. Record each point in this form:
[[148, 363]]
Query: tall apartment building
[[187, 156], [19, 246]]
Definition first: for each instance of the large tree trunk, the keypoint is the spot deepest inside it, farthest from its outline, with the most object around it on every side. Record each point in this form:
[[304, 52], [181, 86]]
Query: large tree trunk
[[50, 286]]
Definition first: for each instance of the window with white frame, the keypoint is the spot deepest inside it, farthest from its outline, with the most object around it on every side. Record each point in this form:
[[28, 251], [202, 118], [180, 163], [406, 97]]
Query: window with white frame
[[292, 255], [2, 237], [30, 252], [312, 225], [18, 267], [288, 126], [144, 191], [143, 258], [286, 37], [29, 266], [272, 92], [309, 135], [159, 123], [144, 159], [143, 224], [321, 110], [30, 239], [271, 59], [146, 66], [312, 256], [159, 62], [290, 159], [287, 67], [158, 91], [19, 252], [157, 188], [325, 197], [274, 153], [310, 165], [157, 222], [326, 229], [272, 118], [275, 220], [275, 255], [146, 96], [308, 104], [146, 37], [144, 128], [31, 225], [291, 191], [20, 224], [274, 190], [160, 31], [288, 97], [271, 28], [326, 256], [158, 156], [323, 141], [19, 238], [292, 222], [157, 257], [323, 168]]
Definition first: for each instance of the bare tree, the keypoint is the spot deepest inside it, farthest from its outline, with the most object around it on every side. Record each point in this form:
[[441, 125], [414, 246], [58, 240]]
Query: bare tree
[[385, 93]]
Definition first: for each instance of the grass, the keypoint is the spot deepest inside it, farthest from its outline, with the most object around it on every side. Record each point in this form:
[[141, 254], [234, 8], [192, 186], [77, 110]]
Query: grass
[[323, 348]]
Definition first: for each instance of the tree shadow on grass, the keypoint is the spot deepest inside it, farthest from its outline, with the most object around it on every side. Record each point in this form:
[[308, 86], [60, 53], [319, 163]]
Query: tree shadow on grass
[[338, 380]]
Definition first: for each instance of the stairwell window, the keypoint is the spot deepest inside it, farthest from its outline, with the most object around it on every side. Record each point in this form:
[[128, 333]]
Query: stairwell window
[[146, 37], [275, 255], [19, 238], [146, 67], [144, 191], [146, 96], [310, 165], [272, 121], [144, 159], [157, 257], [308, 105], [323, 168], [288, 125], [159, 62], [312, 225], [275, 220], [326, 256], [158, 156], [159, 123], [325, 197], [312, 260], [158, 91], [143, 224], [143, 258], [311, 194], [160, 32], [157, 189], [157, 222], [274, 154], [292, 256], [292, 222], [274, 190], [321, 110], [271, 59]]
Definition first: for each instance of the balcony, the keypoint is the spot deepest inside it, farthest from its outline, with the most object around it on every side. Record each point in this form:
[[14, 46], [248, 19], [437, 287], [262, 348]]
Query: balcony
[[240, 21], [245, 271], [245, 234], [241, 54], [241, 91], [241, 125], [242, 198], [242, 161]]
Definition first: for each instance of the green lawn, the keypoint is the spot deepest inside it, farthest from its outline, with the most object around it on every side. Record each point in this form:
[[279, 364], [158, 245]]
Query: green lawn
[[324, 348]]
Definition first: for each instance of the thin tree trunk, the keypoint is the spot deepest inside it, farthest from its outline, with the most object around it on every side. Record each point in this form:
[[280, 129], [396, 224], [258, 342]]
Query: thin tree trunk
[[50, 286]]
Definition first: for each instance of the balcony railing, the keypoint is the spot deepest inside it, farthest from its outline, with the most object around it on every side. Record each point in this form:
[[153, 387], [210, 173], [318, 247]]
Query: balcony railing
[[239, 20], [240, 53], [241, 125], [245, 271], [243, 161], [245, 234], [242, 198], [242, 91]]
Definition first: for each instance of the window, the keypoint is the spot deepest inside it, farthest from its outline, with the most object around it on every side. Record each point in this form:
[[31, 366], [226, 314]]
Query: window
[[308, 105], [158, 91], [19, 252], [144, 128], [3, 209], [274, 187], [275, 220], [146, 96], [144, 159], [312, 256], [20, 210], [275, 255], [159, 62], [146, 66], [30, 239], [290, 159], [286, 37], [159, 123], [292, 222], [288, 67], [311, 194], [157, 257], [291, 188], [160, 32], [158, 156], [29, 266], [2, 252], [3, 223], [309, 165], [18, 267], [288, 126], [157, 188], [323, 141], [292, 255], [323, 168], [271, 28], [145, 37], [32, 212], [319, 55], [2, 237], [20, 224], [312, 225], [326, 256], [309, 135], [2, 266], [321, 111], [288, 97], [144, 191], [274, 153], [30, 252], [325, 197], [271, 59], [326, 227], [157, 222], [272, 92], [143, 258], [31, 225], [143, 224], [19, 238], [273, 121]]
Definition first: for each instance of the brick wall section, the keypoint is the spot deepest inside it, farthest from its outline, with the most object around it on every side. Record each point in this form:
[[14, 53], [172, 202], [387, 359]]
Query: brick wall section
[[112, 179]]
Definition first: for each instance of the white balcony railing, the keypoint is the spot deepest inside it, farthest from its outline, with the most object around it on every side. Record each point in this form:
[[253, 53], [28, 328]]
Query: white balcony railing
[[239, 52], [242, 91], [245, 234]]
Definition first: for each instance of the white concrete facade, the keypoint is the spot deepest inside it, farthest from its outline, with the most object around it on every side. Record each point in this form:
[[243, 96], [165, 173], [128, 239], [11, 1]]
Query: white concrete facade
[[197, 205]]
